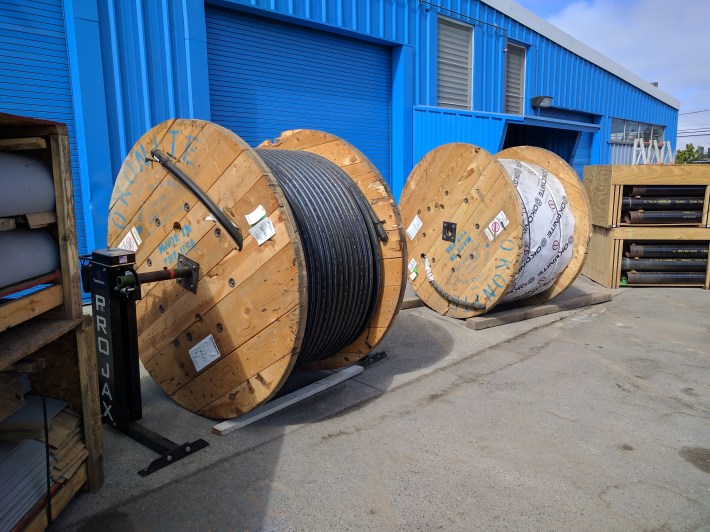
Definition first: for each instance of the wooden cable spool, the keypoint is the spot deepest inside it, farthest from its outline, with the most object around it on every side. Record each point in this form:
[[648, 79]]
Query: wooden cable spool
[[252, 302], [463, 213]]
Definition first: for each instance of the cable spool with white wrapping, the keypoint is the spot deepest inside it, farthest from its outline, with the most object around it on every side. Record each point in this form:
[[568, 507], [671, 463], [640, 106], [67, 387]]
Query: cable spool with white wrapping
[[229, 346], [484, 230]]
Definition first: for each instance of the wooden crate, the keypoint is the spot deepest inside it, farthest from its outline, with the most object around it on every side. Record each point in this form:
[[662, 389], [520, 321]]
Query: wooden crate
[[605, 185], [607, 247], [49, 325]]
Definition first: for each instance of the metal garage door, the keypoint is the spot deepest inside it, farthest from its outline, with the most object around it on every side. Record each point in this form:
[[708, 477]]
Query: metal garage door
[[35, 79], [268, 76], [583, 153]]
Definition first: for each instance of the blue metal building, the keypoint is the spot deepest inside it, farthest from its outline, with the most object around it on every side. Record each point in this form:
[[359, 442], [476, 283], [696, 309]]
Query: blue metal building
[[394, 77]]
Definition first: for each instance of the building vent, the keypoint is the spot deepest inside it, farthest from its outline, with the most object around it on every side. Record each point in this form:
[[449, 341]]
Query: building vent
[[515, 80], [454, 62]]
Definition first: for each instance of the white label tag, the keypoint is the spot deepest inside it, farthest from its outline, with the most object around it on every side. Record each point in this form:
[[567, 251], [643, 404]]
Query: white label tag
[[497, 225], [136, 236], [129, 242], [413, 276], [263, 231], [414, 227], [204, 353], [258, 214], [412, 265]]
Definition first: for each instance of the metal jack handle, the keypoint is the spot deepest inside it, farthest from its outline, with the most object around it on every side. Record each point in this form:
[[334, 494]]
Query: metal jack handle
[[218, 214]]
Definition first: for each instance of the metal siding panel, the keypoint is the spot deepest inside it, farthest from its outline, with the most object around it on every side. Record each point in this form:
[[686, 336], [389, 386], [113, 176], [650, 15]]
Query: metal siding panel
[[583, 154], [268, 76], [35, 78]]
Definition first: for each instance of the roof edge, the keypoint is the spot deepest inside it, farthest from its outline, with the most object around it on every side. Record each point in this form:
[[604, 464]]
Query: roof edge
[[541, 26]]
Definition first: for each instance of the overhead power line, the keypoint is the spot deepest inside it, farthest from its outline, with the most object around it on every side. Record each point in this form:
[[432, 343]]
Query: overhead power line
[[694, 112]]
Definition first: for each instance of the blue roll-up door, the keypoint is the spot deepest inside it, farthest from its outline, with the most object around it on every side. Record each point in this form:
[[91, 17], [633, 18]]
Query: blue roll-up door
[[268, 76], [583, 153], [35, 79]]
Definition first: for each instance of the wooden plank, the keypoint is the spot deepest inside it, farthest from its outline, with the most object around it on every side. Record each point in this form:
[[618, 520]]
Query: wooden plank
[[661, 233], [66, 225], [600, 262], [287, 400], [37, 220], [616, 206], [597, 182], [60, 499], [90, 404], [16, 311], [706, 207], [670, 174], [28, 337], [523, 313], [707, 272], [26, 143], [35, 281], [7, 224]]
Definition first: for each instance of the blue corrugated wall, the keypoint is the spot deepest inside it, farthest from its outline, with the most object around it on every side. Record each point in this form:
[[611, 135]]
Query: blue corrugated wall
[[36, 80], [134, 63]]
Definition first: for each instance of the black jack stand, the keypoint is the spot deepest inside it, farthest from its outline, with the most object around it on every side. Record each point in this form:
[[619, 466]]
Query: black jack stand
[[115, 287]]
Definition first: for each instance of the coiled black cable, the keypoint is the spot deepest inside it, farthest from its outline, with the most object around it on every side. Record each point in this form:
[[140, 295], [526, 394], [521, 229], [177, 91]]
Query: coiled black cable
[[341, 248]]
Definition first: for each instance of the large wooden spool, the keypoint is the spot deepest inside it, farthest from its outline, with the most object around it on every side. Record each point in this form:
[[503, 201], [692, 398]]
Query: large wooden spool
[[253, 302], [465, 185]]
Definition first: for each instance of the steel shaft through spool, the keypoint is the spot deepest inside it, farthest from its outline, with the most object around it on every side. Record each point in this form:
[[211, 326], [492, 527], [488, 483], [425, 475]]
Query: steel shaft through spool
[[464, 216], [250, 309]]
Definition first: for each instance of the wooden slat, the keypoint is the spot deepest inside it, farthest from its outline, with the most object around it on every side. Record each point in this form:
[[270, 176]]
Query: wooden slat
[[662, 233], [706, 207], [29, 283], [600, 262], [38, 220], [60, 499], [28, 337], [7, 224], [17, 311], [597, 182], [66, 225], [26, 143], [670, 174]]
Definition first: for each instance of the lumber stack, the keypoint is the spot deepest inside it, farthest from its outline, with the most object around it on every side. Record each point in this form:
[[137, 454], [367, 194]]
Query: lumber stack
[[46, 343], [651, 225]]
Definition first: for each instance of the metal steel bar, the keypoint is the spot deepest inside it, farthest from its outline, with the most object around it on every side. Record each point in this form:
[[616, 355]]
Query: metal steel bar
[[167, 274], [218, 214]]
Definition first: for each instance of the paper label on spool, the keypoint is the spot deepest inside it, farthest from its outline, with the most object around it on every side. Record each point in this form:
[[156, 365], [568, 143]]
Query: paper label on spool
[[204, 353], [412, 266], [263, 231], [131, 241], [414, 227], [258, 214], [497, 225]]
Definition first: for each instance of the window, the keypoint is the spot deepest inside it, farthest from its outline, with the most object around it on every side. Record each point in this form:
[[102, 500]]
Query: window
[[454, 63], [515, 80], [625, 131]]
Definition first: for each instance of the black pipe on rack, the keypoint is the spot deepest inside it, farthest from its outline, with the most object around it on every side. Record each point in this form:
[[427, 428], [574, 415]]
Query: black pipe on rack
[[666, 191], [340, 237], [664, 265], [670, 251], [674, 278], [662, 204], [663, 217]]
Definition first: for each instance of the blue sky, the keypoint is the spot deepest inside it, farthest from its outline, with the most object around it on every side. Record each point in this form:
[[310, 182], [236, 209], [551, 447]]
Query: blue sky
[[658, 40]]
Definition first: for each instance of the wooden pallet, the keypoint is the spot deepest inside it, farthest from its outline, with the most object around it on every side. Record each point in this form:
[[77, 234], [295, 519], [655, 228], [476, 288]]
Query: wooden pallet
[[607, 247], [605, 186], [48, 327]]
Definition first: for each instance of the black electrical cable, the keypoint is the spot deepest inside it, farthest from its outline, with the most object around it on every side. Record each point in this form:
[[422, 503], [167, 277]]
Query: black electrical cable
[[340, 241]]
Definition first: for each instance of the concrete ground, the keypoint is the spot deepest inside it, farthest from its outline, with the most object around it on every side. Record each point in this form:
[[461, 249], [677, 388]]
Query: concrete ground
[[594, 419]]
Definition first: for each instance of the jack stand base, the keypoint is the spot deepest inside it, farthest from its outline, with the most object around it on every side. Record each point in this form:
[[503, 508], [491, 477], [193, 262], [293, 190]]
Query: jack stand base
[[170, 451]]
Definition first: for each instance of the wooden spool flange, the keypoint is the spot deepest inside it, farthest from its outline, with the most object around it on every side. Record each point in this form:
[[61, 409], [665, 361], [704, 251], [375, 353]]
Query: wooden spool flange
[[393, 251], [253, 303], [465, 185]]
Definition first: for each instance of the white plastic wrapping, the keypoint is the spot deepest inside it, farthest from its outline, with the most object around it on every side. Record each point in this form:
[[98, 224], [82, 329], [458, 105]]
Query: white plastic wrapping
[[548, 229], [26, 184]]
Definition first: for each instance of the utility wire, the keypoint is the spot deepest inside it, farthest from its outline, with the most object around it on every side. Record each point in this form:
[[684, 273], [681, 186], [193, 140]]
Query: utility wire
[[693, 112]]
